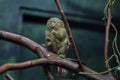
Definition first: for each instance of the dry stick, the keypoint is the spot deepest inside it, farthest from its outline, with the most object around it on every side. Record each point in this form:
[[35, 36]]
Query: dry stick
[[69, 32], [107, 33], [9, 77]]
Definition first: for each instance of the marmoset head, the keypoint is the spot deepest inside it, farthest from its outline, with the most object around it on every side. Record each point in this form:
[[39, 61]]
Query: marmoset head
[[52, 22]]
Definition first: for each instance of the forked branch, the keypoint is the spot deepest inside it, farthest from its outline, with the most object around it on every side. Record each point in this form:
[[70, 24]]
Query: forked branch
[[33, 46], [50, 59]]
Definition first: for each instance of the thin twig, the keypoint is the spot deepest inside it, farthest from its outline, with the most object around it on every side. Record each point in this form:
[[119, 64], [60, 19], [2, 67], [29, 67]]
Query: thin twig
[[69, 33], [9, 77], [108, 17]]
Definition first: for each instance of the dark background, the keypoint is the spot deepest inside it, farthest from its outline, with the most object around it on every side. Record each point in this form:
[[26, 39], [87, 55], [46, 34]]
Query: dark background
[[29, 17]]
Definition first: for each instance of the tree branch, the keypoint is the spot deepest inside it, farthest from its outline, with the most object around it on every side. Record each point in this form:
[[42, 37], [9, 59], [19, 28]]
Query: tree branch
[[52, 61], [69, 33], [33, 46], [108, 17], [21, 40], [51, 58]]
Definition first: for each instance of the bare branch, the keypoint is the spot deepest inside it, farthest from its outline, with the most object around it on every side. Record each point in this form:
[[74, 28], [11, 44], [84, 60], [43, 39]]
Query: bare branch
[[69, 33], [108, 16], [33, 46], [51, 58], [52, 61], [22, 65]]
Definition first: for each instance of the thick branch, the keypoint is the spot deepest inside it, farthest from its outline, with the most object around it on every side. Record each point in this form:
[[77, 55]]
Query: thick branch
[[33, 46], [52, 59], [56, 61]]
